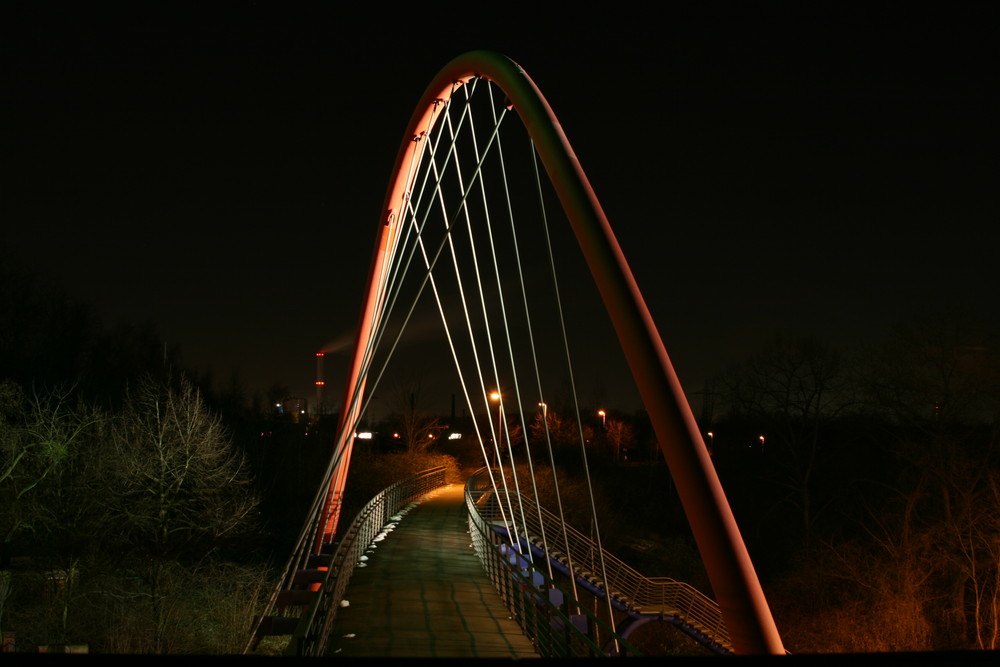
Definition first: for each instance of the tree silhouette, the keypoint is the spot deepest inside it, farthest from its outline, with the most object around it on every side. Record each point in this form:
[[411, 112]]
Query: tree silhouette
[[181, 486], [793, 387], [418, 428]]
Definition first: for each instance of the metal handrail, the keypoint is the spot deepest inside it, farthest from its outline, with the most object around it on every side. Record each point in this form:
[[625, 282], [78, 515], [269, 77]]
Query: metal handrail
[[325, 591], [634, 593], [527, 594]]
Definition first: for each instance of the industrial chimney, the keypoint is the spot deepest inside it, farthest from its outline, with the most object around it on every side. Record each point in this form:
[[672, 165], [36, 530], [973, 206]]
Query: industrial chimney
[[319, 383]]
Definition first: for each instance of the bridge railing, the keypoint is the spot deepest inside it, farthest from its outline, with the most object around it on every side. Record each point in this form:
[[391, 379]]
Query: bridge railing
[[532, 600], [629, 589], [306, 603]]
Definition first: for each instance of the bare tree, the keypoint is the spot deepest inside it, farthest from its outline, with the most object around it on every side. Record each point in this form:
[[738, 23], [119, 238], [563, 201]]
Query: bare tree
[[563, 432], [418, 427], [180, 489], [794, 385], [50, 494], [181, 486], [936, 372], [967, 536], [621, 436], [931, 560]]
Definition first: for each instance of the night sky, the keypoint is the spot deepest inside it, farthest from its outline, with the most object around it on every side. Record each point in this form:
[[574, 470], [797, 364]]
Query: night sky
[[767, 168]]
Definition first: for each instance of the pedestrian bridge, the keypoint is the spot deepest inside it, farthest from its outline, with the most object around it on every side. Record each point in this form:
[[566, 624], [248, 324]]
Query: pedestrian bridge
[[428, 569], [469, 238]]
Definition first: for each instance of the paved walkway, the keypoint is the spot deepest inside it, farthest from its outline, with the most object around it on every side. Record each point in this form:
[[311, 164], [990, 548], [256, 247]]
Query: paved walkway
[[423, 593]]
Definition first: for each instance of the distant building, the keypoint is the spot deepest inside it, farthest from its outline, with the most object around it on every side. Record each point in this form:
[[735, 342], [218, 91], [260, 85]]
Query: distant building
[[296, 407]]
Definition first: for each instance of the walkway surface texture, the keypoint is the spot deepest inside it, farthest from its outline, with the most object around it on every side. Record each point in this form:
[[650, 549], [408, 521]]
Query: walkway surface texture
[[423, 593]]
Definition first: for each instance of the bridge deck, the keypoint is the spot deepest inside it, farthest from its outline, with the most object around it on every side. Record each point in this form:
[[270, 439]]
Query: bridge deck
[[423, 593]]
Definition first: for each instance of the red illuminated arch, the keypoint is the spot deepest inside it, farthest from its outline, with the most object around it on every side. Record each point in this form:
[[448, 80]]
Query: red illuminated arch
[[727, 562]]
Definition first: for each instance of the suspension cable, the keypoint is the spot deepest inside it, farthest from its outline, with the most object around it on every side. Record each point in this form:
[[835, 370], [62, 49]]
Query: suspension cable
[[487, 221], [430, 165], [576, 407]]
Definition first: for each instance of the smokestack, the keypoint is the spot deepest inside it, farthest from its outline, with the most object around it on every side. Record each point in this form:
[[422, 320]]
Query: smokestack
[[319, 383]]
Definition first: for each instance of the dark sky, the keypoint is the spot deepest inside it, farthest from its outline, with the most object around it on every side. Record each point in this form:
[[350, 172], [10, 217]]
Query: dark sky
[[767, 168]]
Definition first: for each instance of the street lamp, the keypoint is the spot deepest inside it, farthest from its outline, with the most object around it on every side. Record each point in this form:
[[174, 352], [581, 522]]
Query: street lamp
[[496, 447], [545, 418], [604, 416]]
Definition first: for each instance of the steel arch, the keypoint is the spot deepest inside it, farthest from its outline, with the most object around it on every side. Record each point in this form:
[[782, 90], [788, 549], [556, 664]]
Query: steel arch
[[733, 578]]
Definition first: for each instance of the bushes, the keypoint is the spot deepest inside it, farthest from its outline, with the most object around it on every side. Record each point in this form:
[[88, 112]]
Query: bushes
[[205, 609], [112, 522], [370, 472]]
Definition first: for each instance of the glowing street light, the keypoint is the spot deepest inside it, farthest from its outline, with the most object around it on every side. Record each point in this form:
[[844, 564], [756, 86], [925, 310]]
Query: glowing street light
[[604, 416], [496, 448]]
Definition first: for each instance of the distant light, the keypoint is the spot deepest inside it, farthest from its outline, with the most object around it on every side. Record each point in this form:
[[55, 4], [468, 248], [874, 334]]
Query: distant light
[[320, 383], [364, 435], [319, 354], [454, 436]]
